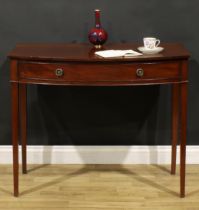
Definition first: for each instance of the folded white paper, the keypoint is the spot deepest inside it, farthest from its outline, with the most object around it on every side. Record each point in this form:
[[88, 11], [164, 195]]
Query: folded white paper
[[117, 53]]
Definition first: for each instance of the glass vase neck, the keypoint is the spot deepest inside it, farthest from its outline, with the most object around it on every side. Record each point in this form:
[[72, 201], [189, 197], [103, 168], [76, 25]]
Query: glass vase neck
[[97, 18]]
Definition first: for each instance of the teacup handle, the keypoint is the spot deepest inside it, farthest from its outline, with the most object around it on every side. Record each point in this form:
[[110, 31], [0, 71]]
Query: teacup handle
[[157, 43]]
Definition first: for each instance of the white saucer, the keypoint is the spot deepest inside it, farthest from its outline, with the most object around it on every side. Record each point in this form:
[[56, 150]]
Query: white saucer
[[150, 51]]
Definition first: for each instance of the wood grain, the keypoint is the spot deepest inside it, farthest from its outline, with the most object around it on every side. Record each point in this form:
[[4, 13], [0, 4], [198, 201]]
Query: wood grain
[[97, 187]]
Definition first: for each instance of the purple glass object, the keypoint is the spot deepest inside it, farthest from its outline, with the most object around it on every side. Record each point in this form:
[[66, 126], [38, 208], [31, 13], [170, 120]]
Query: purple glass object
[[97, 35]]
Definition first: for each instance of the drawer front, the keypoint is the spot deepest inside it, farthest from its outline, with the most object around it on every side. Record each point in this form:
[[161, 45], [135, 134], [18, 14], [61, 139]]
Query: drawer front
[[99, 72]]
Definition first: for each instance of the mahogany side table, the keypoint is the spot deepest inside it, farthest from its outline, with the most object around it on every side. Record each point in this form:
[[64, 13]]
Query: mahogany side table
[[76, 65]]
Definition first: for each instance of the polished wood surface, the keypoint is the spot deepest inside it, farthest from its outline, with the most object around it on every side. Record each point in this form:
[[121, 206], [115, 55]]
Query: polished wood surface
[[76, 64], [99, 187], [85, 52], [100, 73]]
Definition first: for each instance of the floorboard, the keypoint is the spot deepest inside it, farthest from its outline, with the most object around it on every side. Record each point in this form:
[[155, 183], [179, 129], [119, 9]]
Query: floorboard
[[97, 187]]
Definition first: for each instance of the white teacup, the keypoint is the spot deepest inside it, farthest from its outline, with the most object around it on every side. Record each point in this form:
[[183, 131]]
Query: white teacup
[[151, 43]]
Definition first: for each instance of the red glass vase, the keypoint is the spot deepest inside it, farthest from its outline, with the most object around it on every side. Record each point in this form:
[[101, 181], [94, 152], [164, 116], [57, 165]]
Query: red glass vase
[[97, 35]]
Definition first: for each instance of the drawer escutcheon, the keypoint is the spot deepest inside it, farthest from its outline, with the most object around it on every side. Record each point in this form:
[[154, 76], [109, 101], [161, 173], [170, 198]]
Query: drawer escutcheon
[[59, 72], [140, 72]]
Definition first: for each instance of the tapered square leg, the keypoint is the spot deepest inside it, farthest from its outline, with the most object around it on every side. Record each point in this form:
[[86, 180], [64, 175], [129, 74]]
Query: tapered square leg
[[15, 134], [175, 125], [23, 124], [183, 104]]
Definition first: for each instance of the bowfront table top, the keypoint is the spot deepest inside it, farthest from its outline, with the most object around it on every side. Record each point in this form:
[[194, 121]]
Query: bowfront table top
[[85, 52]]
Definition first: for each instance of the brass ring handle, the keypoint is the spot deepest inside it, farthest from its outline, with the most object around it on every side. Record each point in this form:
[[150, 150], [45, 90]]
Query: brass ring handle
[[59, 72], [140, 72]]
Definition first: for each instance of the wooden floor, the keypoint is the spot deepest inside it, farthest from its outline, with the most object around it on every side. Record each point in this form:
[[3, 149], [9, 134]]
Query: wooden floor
[[90, 187]]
